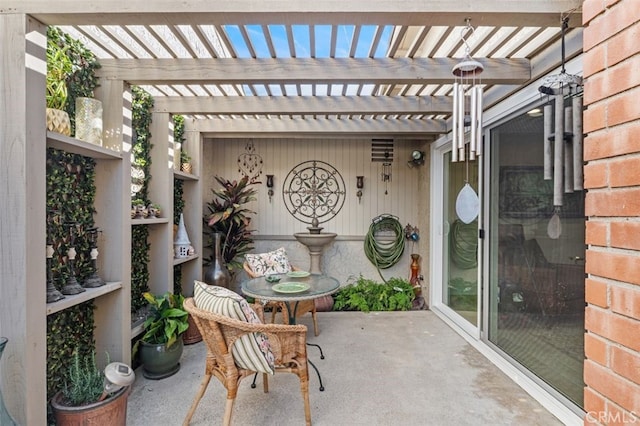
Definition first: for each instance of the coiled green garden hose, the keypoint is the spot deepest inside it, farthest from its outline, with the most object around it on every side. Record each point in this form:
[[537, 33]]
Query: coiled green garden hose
[[384, 254]]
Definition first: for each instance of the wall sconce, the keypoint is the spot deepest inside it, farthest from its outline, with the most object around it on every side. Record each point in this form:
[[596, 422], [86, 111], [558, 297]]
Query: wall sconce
[[360, 186], [270, 186], [417, 158]]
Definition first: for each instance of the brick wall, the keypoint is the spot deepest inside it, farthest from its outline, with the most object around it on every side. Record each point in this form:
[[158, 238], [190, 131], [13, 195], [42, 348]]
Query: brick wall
[[612, 180]]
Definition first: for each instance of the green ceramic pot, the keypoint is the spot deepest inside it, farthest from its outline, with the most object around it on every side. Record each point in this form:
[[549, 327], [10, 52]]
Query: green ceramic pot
[[159, 362]]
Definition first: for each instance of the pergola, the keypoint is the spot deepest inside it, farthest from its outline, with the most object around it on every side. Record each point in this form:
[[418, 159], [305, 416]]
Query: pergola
[[282, 67], [245, 68]]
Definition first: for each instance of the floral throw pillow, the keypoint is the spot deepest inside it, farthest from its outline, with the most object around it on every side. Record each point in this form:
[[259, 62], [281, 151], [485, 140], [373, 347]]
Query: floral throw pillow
[[273, 262], [252, 351]]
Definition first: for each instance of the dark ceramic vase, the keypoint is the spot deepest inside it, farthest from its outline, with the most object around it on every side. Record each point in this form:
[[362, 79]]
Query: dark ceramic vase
[[217, 272]]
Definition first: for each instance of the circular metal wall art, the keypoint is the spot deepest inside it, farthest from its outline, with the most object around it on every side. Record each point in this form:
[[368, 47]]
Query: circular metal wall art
[[314, 192]]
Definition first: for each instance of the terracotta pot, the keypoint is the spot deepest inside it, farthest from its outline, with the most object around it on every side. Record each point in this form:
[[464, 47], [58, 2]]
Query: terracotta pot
[[112, 411], [192, 335], [324, 303]]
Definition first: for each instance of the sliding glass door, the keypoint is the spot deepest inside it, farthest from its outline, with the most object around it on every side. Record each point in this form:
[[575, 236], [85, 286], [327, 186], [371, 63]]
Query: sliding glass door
[[536, 261], [459, 242]]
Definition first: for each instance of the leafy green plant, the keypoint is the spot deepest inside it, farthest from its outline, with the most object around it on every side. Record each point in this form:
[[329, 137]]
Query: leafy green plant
[[84, 383], [166, 321], [59, 67], [184, 156], [82, 80], [228, 216], [367, 295]]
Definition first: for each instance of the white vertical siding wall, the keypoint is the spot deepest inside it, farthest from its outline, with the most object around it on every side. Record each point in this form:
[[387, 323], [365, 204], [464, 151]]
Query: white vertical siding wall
[[275, 226]]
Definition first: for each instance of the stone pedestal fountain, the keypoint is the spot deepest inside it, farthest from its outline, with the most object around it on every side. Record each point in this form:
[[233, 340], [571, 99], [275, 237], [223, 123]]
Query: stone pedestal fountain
[[315, 242]]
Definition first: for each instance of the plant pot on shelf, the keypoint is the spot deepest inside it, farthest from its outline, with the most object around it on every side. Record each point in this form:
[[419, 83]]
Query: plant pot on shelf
[[58, 121], [187, 168], [111, 411]]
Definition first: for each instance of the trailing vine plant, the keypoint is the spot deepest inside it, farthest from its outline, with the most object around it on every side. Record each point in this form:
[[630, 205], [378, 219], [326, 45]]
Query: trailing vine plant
[[142, 103], [178, 198], [70, 192]]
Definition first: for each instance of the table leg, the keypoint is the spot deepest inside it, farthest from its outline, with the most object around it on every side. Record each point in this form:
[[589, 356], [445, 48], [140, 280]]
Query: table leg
[[318, 373]]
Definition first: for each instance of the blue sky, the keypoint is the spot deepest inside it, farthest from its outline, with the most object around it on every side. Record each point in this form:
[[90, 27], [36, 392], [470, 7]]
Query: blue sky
[[303, 50], [301, 37]]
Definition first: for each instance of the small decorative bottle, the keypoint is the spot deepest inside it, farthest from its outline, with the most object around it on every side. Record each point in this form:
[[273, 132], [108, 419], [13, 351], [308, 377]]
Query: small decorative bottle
[[217, 272], [415, 278]]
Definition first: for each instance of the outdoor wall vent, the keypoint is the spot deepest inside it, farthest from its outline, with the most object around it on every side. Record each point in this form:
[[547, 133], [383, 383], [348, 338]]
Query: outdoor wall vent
[[381, 150]]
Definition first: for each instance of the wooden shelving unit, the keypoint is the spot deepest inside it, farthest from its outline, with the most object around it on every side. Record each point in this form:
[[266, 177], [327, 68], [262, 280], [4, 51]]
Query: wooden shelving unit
[[76, 299]]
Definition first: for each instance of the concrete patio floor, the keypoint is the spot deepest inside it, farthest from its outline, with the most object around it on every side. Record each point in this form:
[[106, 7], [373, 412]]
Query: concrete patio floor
[[384, 368]]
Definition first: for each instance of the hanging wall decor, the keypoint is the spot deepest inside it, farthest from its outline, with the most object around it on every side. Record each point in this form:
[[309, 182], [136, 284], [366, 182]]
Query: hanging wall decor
[[314, 192], [250, 163]]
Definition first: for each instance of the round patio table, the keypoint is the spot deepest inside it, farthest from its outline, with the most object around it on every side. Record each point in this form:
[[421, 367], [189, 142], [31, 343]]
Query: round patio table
[[291, 290], [301, 288]]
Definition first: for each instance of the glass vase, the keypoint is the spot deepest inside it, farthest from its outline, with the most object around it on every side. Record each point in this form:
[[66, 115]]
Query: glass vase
[[5, 418], [89, 120]]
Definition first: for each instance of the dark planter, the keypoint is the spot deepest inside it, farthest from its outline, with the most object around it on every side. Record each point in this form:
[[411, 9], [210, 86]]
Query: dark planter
[[112, 411], [159, 362], [192, 335]]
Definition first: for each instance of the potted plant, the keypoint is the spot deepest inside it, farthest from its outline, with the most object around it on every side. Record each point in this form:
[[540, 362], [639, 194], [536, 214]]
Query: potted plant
[[59, 66], [185, 161], [154, 210], [229, 217], [138, 209], [160, 347], [86, 399]]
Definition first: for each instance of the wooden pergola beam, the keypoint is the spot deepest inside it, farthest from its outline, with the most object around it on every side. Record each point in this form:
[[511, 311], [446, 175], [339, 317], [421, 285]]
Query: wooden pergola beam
[[244, 12], [286, 126], [304, 105], [307, 71]]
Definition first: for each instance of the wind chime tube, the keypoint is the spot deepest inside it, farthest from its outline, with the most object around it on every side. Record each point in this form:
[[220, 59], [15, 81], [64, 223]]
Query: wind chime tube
[[454, 125], [548, 124], [479, 110], [474, 124], [568, 152], [461, 108], [558, 151], [578, 176]]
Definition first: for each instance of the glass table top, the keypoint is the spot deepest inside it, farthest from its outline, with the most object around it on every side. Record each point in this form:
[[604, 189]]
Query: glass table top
[[288, 288]]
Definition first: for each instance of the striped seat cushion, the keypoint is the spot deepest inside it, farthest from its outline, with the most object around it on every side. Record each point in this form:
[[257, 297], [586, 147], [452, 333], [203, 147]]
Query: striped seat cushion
[[252, 351]]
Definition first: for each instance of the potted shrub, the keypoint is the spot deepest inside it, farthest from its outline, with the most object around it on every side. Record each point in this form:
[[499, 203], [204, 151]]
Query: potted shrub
[[185, 161], [59, 66], [85, 399], [160, 347], [138, 209], [154, 210], [229, 217]]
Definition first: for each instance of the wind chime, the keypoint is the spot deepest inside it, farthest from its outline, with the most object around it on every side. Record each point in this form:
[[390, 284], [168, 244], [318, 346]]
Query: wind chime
[[562, 137], [467, 119]]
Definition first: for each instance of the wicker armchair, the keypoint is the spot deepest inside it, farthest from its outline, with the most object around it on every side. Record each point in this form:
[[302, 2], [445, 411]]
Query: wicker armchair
[[288, 343], [302, 308]]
